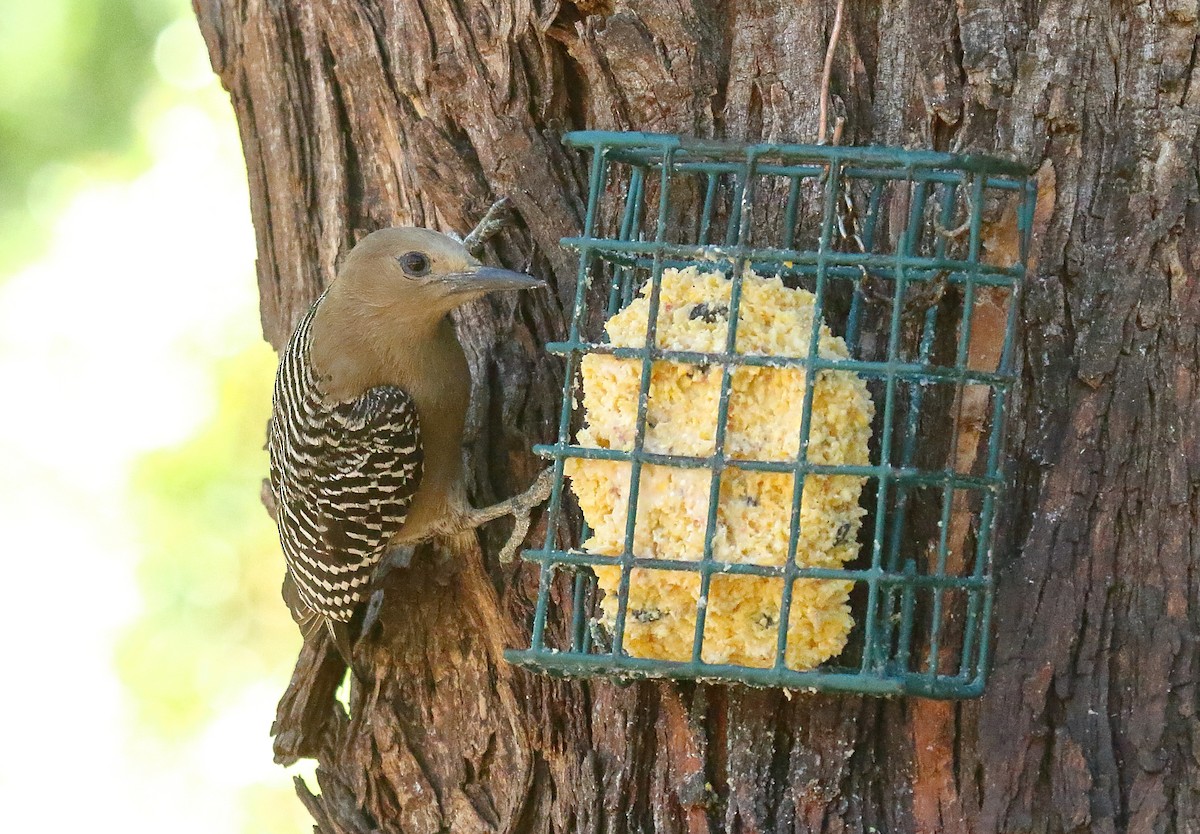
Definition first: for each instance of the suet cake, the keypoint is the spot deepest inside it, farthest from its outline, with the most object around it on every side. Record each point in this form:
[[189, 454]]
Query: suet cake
[[754, 508]]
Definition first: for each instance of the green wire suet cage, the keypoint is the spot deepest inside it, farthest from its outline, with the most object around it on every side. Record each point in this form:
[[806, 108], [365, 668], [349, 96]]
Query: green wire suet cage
[[908, 260]]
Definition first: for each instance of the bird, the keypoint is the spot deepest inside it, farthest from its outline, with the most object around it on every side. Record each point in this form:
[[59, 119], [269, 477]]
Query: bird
[[368, 413]]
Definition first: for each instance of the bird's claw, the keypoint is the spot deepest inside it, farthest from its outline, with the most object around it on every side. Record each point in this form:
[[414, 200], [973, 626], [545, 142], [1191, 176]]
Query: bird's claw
[[519, 507], [537, 493]]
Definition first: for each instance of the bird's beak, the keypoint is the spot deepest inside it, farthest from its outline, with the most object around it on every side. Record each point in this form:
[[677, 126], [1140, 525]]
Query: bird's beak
[[477, 280]]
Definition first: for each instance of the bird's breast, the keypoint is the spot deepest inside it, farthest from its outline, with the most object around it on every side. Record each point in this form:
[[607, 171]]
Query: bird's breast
[[440, 386]]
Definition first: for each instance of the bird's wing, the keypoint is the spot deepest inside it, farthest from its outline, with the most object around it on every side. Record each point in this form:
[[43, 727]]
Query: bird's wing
[[346, 494], [367, 485]]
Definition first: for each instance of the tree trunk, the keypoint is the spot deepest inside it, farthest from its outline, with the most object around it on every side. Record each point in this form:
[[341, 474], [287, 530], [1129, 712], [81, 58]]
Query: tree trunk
[[358, 114]]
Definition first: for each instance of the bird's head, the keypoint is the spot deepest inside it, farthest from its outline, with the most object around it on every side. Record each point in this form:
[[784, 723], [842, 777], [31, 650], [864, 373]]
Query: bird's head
[[420, 273]]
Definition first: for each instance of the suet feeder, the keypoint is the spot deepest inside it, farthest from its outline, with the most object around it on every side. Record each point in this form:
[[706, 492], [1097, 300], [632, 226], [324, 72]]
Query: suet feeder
[[811, 504]]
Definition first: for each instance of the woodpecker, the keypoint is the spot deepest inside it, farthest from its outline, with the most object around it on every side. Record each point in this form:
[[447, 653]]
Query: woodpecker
[[367, 421]]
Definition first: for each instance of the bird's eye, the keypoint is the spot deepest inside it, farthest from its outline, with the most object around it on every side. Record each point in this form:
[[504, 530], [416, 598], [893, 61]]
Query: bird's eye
[[415, 264]]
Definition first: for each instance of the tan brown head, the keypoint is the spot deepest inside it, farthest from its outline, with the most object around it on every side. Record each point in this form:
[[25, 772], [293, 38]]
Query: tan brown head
[[420, 273], [384, 319]]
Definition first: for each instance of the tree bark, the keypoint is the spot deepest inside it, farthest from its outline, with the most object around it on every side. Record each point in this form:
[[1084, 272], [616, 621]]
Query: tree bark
[[358, 114]]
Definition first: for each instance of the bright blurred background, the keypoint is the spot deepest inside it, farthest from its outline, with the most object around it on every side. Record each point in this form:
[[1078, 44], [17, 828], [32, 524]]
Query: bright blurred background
[[147, 641]]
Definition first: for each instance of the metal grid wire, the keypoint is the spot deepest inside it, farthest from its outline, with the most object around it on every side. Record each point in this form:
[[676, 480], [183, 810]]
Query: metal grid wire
[[890, 242]]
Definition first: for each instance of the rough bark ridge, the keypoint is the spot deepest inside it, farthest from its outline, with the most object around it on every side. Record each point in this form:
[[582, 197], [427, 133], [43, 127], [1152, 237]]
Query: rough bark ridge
[[357, 114]]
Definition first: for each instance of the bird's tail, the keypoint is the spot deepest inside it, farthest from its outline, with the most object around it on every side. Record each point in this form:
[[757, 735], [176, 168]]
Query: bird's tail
[[307, 617], [311, 621]]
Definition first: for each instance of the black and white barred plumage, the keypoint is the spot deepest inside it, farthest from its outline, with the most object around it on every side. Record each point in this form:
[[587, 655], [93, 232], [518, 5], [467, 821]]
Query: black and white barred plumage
[[343, 475]]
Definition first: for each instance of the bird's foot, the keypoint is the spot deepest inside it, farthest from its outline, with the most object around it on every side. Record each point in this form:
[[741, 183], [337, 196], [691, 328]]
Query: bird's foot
[[520, 507]]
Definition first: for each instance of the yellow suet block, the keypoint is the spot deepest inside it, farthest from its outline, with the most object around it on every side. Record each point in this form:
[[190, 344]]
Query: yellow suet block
[[754, 509]]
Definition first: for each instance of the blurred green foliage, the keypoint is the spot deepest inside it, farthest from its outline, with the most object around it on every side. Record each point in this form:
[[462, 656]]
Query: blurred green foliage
[[213, 619], [81, 84], [72, 74]]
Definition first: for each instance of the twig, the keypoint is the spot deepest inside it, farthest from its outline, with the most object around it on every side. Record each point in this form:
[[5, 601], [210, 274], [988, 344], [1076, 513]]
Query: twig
[[826, 74], [497, 217], [837, 130], [960, 230]]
